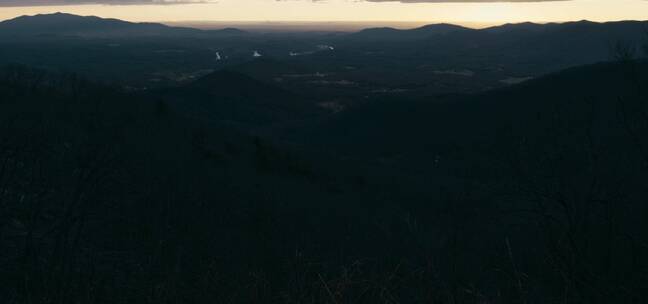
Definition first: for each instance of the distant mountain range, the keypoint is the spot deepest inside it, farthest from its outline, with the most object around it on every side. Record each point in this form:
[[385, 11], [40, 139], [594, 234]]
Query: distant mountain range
[[388, 33], [331, 68], [68, 24]]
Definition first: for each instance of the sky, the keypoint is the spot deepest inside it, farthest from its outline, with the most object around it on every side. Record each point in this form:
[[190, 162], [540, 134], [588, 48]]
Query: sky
[[453, 11]]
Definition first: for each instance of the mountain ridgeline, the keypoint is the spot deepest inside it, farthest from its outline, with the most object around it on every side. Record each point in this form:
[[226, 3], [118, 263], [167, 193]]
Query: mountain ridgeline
[[91, 26], [435, 165]]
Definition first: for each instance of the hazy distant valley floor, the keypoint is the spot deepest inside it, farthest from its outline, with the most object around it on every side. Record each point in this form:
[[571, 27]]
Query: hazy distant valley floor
[[435, 165]]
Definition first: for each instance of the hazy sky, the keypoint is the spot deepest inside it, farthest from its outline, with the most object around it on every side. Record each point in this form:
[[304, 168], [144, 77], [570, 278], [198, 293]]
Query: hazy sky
[[339, 10]]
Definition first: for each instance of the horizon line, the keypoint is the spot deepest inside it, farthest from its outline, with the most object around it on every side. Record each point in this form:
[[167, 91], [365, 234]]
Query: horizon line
[[469, 24]]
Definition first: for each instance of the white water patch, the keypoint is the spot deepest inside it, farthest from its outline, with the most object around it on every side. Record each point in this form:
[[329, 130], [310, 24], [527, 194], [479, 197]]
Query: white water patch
[[218, 56], [515, 80], [319, 48], [293, 54], [325, 47]]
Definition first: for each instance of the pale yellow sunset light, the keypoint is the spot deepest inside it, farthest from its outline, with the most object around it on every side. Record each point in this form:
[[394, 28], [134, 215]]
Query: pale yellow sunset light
[[353, 10]]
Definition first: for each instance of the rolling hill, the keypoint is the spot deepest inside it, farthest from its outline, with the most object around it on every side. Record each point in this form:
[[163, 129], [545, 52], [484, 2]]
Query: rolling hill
[[387, 33], [226, 96], [72, 25]]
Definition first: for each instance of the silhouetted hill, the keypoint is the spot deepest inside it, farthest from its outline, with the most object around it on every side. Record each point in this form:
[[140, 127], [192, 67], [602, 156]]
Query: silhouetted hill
[[427, 31], [388, 33], [73, 25], [524, 26], [233, 97], [229, 84], [438, 28], [230, 31], [604, 28]]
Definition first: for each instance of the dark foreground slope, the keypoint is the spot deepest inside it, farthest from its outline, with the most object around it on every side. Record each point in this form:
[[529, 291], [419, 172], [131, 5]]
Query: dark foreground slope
[[103, 191], [530, 194], [565, 154]]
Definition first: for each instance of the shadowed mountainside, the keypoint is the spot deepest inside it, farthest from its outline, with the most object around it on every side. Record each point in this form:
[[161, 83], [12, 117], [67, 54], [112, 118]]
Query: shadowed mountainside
[[513, 193]]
